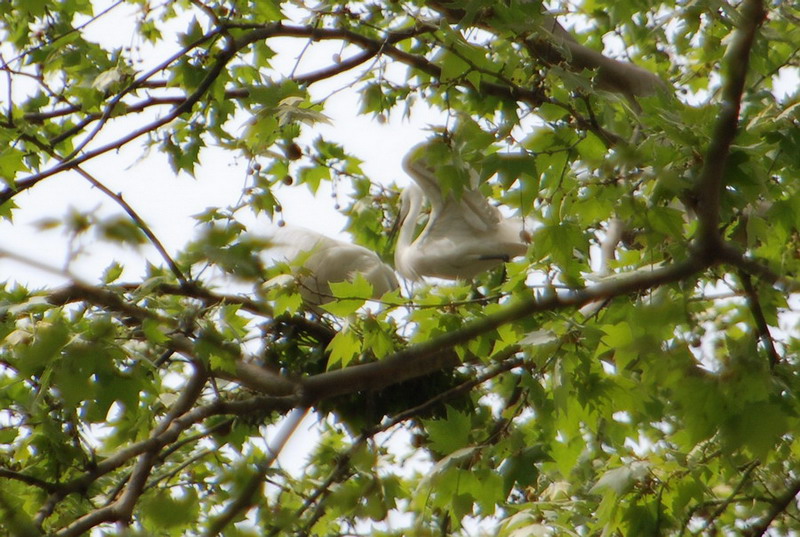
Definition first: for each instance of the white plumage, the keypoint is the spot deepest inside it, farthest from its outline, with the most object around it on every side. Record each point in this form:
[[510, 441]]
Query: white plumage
[[325, 260], [464, 235]]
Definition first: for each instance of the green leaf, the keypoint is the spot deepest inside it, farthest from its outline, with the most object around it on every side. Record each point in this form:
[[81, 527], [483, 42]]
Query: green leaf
[[112, 273], [153, 331], [6, 210], [11, 164], [550, 112], [193, 32], [269, 10], [591, 148], [450, 434], [560, 242], [453, 67], [349, 296], [377, 338], [162, 510], [313, 176], [121, 229], [344, 346], [49, 339], [757, 428]]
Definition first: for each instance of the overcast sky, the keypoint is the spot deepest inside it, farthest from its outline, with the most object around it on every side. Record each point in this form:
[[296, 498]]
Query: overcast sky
[[166, 201]]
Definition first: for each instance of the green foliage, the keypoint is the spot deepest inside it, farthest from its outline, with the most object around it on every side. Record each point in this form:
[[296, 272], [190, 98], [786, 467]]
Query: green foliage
[[659, 397]]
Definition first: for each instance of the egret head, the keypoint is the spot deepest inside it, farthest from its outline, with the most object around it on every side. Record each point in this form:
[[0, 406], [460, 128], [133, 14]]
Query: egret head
[[411, 200], [424, 158], [416, 157]]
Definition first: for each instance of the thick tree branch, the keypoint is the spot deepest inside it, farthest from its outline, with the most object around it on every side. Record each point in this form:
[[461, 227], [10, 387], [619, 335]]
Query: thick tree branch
[[550, 43], [613, 75], [261, 379], [712, 177], [432, 355]]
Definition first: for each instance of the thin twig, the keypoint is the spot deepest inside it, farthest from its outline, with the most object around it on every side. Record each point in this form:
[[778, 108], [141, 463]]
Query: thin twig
[[259, 33], [135, 84], [5, 473], [213, 73], [778, 506], [758, 316], [246, 497], [139, 222], [70, 31], [712, 519]]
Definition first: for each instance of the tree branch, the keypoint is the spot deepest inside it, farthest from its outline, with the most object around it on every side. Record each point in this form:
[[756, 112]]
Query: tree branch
[[257, 33], [548, 41], [123, 507], [246, 497], [729, 253], [712, 519], [778, 506], [105, 299], [222, 59], [504, 363], [140, 223], [712, 177], [5, 473], [152, 445], [411, 362], [758, 317], [613, 75], [432, 355], [195, 290]]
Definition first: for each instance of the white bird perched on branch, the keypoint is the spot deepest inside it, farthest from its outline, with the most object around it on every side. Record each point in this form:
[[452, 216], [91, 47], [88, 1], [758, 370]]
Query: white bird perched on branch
[[464, 236], [325, 260]]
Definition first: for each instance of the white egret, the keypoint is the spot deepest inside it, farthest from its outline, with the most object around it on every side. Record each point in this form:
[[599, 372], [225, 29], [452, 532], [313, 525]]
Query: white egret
[[464, 235], [325, 260]]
